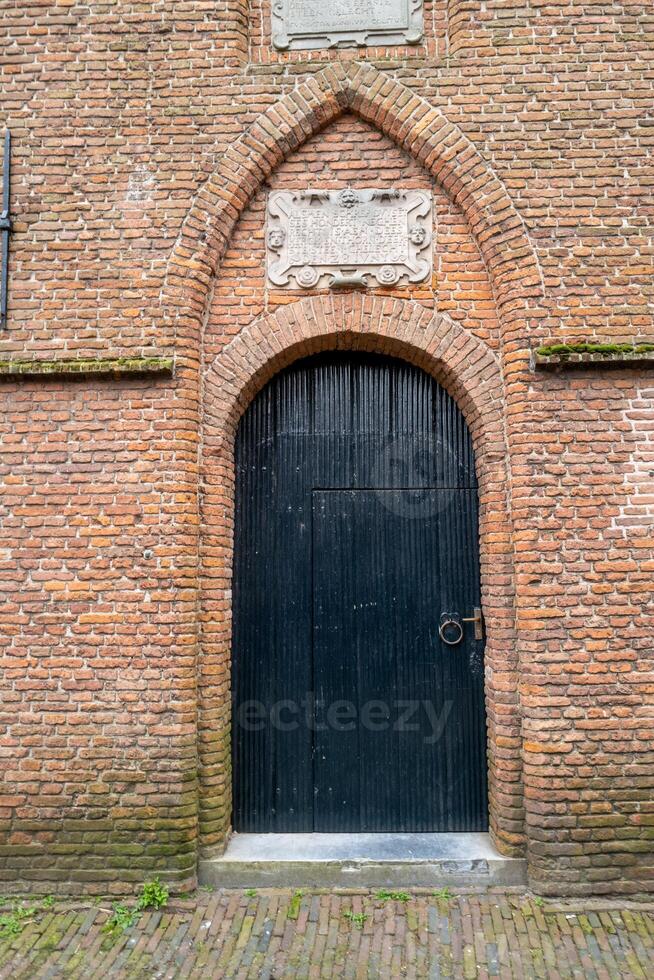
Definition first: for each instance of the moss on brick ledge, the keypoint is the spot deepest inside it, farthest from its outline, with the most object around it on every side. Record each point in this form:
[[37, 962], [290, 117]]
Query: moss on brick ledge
[[84, 366], [582, 354]]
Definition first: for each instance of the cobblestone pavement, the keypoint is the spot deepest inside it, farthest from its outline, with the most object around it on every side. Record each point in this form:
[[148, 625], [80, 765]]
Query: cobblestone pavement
[[279, 934]]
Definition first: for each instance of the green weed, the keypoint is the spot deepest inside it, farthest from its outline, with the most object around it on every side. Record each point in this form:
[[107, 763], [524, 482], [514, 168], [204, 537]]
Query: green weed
[[294, 907], [356, 918], [13, 922], [121, 918], [153, 896], [385, 896]]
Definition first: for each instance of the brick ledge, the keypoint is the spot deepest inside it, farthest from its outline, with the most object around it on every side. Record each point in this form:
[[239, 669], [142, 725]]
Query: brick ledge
[[85, 366], [582, 359]]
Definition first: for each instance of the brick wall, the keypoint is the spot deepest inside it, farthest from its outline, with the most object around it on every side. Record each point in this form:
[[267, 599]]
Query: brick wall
[[98, 640], [146, 136]]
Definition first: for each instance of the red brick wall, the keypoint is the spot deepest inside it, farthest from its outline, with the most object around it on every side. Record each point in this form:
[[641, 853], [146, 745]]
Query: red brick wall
[[138, 203], [98, 642], [586, 621]]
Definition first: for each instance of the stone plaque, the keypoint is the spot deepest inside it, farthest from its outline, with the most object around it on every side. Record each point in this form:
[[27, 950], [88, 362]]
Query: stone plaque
[[345, 23], [348, 237]]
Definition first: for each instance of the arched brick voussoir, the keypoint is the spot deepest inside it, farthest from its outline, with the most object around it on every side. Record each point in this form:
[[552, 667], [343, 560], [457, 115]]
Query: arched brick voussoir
[[420, 128], [463, 363]]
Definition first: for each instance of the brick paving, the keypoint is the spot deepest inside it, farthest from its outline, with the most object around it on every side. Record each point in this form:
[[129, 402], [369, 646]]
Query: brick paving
[[279, 934]]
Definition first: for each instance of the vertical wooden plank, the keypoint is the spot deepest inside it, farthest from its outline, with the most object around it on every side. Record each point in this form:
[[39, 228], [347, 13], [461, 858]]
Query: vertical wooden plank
[[411, 756], [329, 424]]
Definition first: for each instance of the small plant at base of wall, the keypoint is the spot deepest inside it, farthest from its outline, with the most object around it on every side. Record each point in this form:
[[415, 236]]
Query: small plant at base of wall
[[153, 896], [14, 920], [357, 919], [386, 896]]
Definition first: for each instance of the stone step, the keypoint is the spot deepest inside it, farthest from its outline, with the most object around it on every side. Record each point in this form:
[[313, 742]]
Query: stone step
[[361, 861]]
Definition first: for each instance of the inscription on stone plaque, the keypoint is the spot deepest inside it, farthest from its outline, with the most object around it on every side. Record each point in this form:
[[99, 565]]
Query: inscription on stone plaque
[[348, 237], [345, 23]]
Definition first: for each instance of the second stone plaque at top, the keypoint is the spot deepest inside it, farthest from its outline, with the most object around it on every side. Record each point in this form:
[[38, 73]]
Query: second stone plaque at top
[[345, 23]]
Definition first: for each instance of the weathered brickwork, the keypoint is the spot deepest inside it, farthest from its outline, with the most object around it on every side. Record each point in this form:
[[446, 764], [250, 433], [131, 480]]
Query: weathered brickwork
[[146, 137], [98, 631]]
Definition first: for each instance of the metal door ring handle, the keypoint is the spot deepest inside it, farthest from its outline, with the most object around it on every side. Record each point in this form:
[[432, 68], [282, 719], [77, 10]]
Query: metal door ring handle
[[444, 625]]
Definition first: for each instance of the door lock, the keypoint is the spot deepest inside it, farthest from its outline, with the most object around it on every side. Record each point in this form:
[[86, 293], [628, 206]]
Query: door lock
[[478, 620], [450, 628]]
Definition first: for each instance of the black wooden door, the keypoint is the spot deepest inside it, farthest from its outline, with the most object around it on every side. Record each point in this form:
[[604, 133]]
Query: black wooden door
[[356, 538]]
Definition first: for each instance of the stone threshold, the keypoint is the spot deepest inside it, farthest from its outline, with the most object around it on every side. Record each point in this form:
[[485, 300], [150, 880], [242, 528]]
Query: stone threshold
[[361, 861]]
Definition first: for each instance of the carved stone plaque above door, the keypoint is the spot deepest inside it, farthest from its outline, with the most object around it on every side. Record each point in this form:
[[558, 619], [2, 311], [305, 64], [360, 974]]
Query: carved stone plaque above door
[[348, 237], [345, 23]]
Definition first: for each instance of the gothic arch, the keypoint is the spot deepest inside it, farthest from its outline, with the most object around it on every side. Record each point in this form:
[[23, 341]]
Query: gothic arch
[[470, 371], [408, 119]]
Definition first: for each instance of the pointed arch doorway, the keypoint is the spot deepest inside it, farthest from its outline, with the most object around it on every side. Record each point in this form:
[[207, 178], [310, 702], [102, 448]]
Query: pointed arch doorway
[[358, 694]]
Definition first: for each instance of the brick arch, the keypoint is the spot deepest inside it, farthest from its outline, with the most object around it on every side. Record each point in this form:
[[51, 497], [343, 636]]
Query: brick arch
[[412, 122], [470, 372]]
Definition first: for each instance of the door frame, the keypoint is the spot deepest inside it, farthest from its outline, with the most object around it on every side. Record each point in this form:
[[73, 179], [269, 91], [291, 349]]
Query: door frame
[[469, 370]]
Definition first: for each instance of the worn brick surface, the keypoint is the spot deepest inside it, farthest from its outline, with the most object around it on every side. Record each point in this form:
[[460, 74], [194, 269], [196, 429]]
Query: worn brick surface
[[146, 135], [280, 934]]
